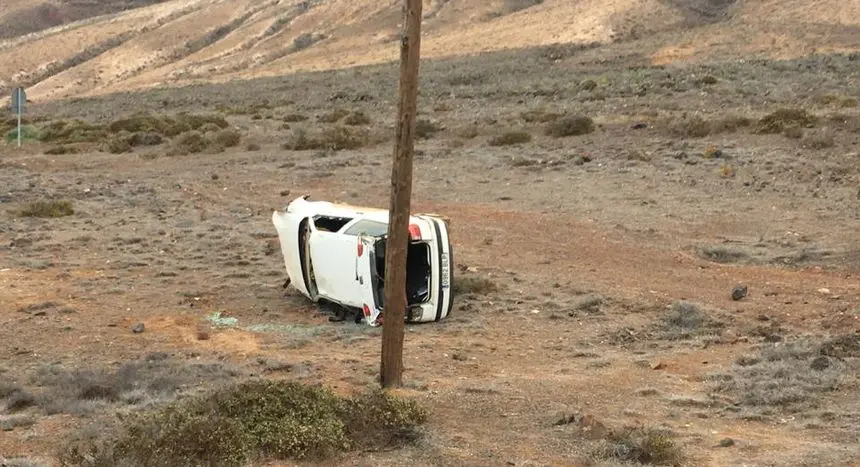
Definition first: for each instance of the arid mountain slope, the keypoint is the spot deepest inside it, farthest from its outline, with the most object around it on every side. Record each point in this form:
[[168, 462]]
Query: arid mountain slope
[[184, 41]]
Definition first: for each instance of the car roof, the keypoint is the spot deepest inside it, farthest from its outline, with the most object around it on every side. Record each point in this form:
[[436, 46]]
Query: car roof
[[328, 208]]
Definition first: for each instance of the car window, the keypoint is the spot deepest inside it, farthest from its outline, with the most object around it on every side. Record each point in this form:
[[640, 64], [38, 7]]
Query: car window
[[367, 227], [330, 224]]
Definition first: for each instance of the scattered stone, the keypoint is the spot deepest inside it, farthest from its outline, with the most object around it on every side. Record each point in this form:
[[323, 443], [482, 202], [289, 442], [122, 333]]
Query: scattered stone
[[658, 366], [739, 292], [138, 328], [639, 126], [727, 443], [215, 177], [824, 290], [820, 363], [285, 193]]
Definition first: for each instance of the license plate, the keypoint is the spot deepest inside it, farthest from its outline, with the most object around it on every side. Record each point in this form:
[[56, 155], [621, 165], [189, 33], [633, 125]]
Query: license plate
[[446, 271]]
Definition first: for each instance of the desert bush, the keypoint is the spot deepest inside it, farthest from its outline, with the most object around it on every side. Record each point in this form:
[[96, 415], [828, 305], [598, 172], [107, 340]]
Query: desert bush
[[425, 129], [570, 126], [357, 118], [511, 138], [588, 85], [145, 139], [60, 150], [28, 133], [252, 147], [788, 375], [118, 145], [74, 131], [690, 127], [821, 139], [226, 138], [294, 118], [19, 400], [304, 41], [781, 119], [253, 421], [335, 139], [793, 132], [333, 117], [640, 445], [539, 116], [474, 285], [47, 209], [721, 254], [191, 142]]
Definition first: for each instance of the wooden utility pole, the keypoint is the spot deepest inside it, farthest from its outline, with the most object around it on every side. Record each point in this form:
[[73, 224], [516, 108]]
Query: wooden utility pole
[[394, 314]]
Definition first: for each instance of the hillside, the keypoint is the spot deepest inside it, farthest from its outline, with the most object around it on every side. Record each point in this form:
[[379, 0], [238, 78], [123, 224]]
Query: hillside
[[183, 41]]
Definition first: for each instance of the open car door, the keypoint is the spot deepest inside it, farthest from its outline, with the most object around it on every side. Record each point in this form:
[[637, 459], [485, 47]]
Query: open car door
[[368, 279]]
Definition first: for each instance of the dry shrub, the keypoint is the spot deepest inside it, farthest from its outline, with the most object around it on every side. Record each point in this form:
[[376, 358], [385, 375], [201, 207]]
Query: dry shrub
[[333, 116], [191, 142], [294, 118], [74, 131], [511, 138], [781, 119], [334, 139], [256, 421], [474, 285], [226, 138], [47, 209], [788, 375], [690, 127], [539, 116], [512, 6], [570, 126], [821, 139], [640, 445], [60, 150], [425, 129], [357, 118]]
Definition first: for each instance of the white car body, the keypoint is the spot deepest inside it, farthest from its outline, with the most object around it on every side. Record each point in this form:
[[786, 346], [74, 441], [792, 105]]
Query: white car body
[[335, 252]]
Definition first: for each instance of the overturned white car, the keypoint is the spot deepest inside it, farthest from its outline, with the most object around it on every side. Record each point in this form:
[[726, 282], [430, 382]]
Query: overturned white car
[[336, 252]]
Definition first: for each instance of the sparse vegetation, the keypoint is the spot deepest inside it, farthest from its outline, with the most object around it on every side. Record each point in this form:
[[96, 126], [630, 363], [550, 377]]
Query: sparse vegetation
[[357, 118], [294, 118], [425, 129], [47, 209], [118, 145], [474, 285], [511, 138], [786, 375], [254, 420], [781, 119], [334, 139], [640, 445], [333, 117], [513, 6], [722, 254], [191, 142], [821, 139], [226, 138], [690, 127], [539, 116], [570, 126]]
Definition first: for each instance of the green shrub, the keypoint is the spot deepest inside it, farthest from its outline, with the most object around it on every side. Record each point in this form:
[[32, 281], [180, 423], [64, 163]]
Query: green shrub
[[335, 139], [74, 131], [570, 126], [46, 209], [256, 421], [28, 133]]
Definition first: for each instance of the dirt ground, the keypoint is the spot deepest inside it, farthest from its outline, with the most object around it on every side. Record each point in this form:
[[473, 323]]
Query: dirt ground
[[605, 262]]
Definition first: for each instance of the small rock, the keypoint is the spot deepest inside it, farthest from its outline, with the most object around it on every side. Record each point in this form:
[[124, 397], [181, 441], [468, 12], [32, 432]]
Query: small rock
[[727, 443], [820, 363], [739, 292], [658, 366], [285, 193], [215, 177], [639, 126], [824, 290], [138, 328]]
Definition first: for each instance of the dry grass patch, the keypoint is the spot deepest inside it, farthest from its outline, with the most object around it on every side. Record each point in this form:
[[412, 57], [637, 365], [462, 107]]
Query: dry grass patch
[[474, 285], [333, 139], [821, 139], [788, 376], [357, 118], [47, 209]]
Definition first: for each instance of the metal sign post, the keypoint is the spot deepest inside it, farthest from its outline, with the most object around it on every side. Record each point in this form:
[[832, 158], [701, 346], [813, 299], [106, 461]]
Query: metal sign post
[[18, 99]]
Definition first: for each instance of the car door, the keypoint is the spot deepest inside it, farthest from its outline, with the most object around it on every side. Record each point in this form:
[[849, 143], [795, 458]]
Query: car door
[[333, 255], [287, 228], [367, 280]]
